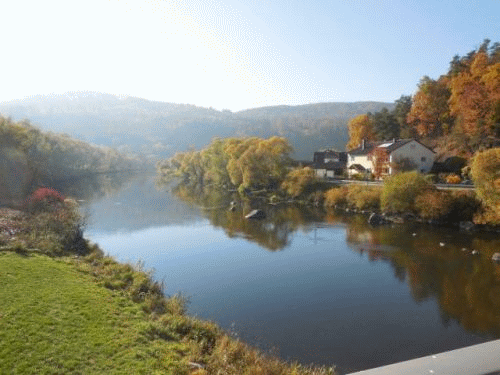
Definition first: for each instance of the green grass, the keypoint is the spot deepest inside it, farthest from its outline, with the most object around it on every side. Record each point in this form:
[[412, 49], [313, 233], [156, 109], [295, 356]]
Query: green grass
[[56, 320], [65, 308]]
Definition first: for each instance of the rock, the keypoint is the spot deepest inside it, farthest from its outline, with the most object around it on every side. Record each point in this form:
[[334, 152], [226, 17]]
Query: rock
[[377, 219], [467, 225], [496, 257], [256, 214], [408, 216], [397, 219]]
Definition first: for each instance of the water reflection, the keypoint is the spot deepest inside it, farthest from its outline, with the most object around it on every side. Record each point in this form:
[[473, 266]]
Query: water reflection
[[273, 233], [127, 203], [342, 292], [443, 264], [92, 186]]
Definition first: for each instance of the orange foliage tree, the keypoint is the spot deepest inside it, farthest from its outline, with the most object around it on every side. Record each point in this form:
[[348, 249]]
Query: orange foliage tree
[[429, 114]]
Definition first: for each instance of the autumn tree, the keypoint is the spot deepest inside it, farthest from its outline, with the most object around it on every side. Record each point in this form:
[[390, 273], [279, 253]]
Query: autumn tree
[[360, 127], [240, 162], [429, 114]]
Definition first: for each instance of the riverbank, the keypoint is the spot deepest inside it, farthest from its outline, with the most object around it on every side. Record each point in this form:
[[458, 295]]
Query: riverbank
[[67, 309]]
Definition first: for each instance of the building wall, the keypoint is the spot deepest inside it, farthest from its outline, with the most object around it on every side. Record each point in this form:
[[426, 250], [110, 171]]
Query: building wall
[[323, 173], [361, 160], [420, 155]]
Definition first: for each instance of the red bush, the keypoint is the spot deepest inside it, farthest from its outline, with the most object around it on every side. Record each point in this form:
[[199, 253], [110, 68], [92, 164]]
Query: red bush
[[48, 194], [44, 199]]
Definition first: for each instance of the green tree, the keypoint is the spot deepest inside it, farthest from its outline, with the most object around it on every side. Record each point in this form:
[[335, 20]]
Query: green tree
[[385, 124], [400, 113]]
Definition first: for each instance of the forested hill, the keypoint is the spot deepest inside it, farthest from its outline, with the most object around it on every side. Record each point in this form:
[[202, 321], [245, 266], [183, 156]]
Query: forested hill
[[160, 129], [30, 158]]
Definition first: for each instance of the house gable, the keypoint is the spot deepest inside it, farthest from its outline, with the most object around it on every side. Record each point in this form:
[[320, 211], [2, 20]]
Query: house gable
[[397, 150]]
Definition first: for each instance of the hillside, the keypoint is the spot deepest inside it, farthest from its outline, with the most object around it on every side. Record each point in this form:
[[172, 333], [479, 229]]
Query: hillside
[[160, 129]]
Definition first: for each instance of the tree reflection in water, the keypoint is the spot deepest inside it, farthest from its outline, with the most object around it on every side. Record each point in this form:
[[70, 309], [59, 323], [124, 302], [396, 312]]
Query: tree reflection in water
[[438, 263], [272, 233]]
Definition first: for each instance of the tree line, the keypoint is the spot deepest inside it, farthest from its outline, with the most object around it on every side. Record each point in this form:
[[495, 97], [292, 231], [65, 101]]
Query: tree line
[[459, 112], [58, 155]]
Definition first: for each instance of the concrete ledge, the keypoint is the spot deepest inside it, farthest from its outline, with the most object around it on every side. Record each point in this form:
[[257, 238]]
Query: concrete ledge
[[478, 359]]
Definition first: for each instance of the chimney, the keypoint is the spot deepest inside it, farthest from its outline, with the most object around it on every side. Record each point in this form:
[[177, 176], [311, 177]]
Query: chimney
[[393, 140]]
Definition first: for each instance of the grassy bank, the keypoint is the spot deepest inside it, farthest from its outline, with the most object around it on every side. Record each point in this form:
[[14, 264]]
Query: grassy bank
[[57, 320], [68, 309]]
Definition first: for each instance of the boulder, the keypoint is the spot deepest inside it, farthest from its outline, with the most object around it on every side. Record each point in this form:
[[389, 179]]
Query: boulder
[[377, 219], [496, 257], [467, 225], [256, 214]]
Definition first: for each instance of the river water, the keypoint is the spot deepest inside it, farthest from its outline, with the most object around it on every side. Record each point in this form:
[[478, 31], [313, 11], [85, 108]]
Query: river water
[[306, 285]]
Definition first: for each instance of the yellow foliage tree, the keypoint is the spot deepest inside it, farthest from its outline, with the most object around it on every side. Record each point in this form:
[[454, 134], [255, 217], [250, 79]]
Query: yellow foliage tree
[[360, 127], [486, 175]]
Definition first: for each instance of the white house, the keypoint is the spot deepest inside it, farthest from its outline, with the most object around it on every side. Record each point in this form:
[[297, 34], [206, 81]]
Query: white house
[[364, 158]]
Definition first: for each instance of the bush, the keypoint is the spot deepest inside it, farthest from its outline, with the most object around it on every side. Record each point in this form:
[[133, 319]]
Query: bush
[[336, 197], [486, 175], [464, 205], [43, 200], [453, 179], [400, 191], [297, 181], [364, 197], [433, 204], [432, 178]]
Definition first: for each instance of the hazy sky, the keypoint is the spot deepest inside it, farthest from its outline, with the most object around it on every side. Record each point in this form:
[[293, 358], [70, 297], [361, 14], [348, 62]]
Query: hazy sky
[[236, 54]]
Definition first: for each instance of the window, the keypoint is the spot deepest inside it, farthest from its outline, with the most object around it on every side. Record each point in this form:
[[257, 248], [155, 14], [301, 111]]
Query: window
[[423, 159]]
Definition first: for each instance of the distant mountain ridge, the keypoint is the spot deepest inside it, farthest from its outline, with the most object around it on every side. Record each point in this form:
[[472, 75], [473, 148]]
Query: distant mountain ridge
[[160, 129]]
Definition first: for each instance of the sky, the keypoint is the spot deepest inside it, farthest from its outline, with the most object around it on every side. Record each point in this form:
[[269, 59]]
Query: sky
[[237, 54]]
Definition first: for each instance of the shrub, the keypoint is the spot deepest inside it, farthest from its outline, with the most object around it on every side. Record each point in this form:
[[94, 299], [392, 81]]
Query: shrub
[[432, 178], [336, 197], [298, 180], [364, 197], [486, 175], [453, 179], [433, 204], [44, 199], [400, 191], [464, 205]]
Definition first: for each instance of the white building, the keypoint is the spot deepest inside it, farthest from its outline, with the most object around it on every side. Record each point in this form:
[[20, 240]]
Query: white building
[[398, 151]]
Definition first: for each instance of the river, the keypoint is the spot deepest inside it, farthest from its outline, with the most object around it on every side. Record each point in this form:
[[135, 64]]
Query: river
[[306, 285]]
